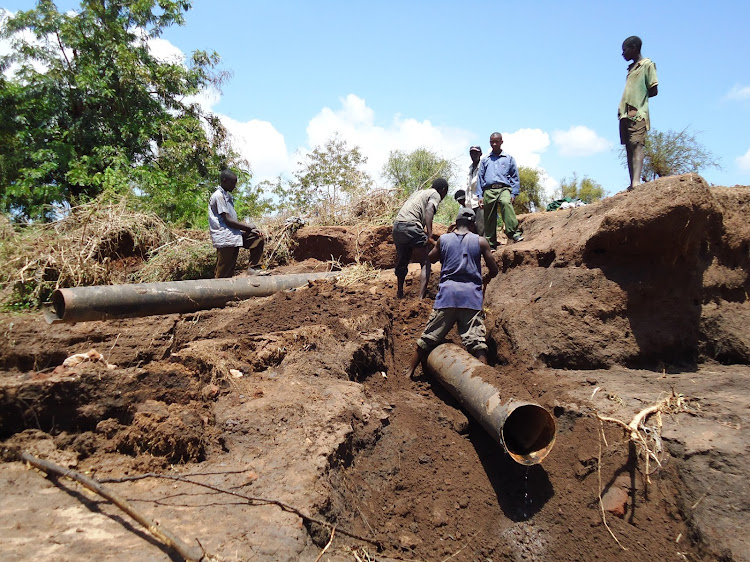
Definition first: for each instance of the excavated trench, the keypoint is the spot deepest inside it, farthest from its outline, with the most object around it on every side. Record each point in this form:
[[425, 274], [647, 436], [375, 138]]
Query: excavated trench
[[301, 393]]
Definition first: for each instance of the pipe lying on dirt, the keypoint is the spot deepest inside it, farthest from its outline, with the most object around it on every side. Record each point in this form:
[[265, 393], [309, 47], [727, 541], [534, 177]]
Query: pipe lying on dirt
[[526, 430], [107, 302]]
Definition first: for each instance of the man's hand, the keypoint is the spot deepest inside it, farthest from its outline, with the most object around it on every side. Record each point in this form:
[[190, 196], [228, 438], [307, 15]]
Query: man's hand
[[481, 203]]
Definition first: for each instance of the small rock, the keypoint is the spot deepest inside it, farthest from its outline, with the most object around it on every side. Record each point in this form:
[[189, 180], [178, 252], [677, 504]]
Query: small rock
[[408, 541], [210, 391], [615, 501]]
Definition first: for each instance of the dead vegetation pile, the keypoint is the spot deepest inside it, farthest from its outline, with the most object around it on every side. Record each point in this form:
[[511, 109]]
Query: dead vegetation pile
[[377, 208], [91, 246], [105, 242], [189, 256]]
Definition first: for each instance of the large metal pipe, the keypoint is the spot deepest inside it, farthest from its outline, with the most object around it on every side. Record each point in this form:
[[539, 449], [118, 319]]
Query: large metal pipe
[[526, 430], [106, 302]]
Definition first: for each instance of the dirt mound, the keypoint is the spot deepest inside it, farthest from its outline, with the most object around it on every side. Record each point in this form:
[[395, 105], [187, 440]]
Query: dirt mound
[[656, 276], [284, 423], [347, 244]]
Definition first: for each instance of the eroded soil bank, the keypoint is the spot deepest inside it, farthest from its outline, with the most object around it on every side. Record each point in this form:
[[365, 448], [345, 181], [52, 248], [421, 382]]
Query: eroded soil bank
[[274, 413]]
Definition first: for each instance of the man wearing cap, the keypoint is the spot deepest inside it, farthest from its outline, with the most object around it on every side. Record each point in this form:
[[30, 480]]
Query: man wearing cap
[[460, 291], [632, 112], [412, 231], [498, 184], [475, 152], [460, 197]]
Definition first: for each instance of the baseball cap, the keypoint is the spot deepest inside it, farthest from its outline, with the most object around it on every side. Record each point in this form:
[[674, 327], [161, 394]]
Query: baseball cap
[[476, 148], [466, 214], [460, 194]]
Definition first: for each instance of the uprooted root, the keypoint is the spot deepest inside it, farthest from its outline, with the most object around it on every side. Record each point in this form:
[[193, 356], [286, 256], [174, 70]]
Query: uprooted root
[[647, 438]]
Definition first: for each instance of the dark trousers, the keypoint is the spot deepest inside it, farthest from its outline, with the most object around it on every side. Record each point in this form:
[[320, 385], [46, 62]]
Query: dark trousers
[[407, 237], [226, 258]]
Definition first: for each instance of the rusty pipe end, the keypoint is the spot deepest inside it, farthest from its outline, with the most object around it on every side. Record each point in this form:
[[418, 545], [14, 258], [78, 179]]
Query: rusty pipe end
[[529, 433], [55, 313]]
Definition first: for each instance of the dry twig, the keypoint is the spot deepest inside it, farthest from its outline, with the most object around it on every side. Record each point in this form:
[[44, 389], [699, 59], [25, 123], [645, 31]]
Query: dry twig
[[251, 499], [163, 535]]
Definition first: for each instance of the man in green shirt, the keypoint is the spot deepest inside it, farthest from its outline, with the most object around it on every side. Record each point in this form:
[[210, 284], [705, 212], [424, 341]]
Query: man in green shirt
[[632, 112]]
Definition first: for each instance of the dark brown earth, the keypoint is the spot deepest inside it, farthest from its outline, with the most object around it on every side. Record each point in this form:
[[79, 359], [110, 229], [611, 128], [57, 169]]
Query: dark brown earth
[[299, 398]]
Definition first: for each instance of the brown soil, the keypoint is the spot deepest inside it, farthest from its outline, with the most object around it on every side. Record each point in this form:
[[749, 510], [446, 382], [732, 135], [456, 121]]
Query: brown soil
[[296, 404]]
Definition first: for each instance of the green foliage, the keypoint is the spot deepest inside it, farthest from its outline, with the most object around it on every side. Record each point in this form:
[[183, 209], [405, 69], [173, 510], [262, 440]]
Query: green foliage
[[327, 178], [671, 153], [587, 190], [90, 109], [412, 171], [531, 195], [447, 211]]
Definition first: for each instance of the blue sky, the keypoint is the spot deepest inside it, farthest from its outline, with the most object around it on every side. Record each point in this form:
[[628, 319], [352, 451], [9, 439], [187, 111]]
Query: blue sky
[[444, 75]]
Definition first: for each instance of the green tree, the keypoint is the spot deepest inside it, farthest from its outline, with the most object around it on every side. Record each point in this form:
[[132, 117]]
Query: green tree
[[90, 108], [587, 190], [325, 180], [671, 153], [411, 171], [531, 195]]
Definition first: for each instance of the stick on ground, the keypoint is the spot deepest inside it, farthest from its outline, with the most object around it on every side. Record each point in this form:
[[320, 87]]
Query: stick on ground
[[163, 535]]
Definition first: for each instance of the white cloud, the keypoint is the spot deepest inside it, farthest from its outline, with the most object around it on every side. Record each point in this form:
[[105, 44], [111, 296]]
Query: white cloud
[[526, 146], [579, 141], [354, 122], [739, 93], [165, 51], [262, 145], [744, 161]]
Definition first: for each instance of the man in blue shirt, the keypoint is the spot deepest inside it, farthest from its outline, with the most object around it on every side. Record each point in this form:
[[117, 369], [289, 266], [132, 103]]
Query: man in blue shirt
[[498, 184], [460, 291]]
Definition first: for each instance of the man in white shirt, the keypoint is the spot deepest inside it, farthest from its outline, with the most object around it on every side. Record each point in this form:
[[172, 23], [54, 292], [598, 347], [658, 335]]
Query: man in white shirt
[[229, 234]]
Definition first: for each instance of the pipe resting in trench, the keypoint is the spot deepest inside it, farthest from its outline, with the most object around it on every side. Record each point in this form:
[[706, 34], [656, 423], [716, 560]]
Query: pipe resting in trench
[[526, 430], [106, 302]]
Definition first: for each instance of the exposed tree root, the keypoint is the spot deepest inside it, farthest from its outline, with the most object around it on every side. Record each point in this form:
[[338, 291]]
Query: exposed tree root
[[647, 440]]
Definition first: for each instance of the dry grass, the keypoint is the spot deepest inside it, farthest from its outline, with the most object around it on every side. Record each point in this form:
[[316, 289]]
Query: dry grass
[[279, 233], [376, 208], [354, 274], [186, 257], [80, 249], [6, 229]]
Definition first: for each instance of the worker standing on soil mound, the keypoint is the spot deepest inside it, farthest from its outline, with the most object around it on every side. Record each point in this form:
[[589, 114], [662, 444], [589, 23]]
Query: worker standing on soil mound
[[475, 153], [412, 231], [227, 233], [498, 185], [632, 112], [460, 291]]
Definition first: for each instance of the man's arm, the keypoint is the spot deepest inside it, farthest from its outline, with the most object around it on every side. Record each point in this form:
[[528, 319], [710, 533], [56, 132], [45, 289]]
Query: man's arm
[[489, 260], [428, 223], [480, 182], [653, 90], [434, 255], [245, 227], [515, 180]]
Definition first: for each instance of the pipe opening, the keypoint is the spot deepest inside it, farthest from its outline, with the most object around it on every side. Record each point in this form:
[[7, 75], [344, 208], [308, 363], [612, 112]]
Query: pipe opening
[[529, 433], [58, 304]]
